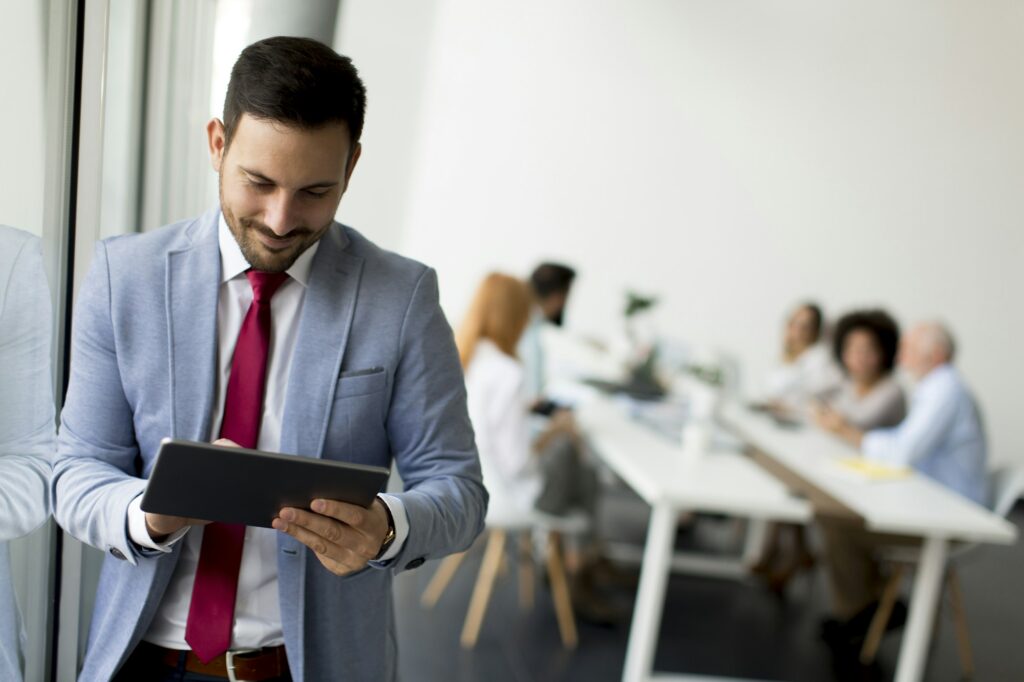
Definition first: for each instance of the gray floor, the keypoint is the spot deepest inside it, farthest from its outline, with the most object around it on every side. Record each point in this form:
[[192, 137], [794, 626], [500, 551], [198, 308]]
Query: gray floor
[[710, 627]]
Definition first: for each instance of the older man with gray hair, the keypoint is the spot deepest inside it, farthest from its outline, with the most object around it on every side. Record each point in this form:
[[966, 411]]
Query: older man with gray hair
[[941, 436]]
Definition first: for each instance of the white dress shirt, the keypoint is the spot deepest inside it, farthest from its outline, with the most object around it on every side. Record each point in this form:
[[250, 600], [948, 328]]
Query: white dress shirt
[[499, 409], [942, 436], [257, 612]]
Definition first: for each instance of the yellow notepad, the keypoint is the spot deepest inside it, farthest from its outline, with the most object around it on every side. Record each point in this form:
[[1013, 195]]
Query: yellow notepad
[[873, 470]]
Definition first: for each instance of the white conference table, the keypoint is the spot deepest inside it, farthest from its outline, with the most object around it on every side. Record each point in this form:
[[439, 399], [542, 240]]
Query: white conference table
[[914, 506], [724, 482]]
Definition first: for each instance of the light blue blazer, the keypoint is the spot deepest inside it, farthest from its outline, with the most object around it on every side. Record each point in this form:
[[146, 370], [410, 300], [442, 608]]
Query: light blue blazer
[[26, 418], [375, 377]]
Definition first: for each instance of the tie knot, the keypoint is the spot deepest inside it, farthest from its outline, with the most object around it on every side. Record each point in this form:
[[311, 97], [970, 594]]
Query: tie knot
[[264, 284]]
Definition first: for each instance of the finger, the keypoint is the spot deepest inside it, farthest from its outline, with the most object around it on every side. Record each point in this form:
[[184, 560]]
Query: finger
[[322, 547], [324, 526], [226, 443], [350, 514], [317, 543], [341, 568]]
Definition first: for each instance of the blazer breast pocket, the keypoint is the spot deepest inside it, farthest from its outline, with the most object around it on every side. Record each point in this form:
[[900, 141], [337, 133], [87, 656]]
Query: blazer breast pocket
[[360, 382], [356, 431]]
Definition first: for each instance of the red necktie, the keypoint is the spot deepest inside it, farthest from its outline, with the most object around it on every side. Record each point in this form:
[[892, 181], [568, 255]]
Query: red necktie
[[212, 610]]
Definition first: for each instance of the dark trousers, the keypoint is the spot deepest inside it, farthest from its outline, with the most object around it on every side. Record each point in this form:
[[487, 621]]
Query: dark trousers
[[568, 481]]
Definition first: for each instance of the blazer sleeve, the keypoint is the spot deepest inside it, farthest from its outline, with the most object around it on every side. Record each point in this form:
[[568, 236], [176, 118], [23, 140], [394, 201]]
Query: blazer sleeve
[[94, 477], [26, 395], [431, 436]]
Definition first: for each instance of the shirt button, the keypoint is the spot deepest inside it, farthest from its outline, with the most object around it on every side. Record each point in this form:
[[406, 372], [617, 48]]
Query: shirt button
[[415, 563], [117, 554]]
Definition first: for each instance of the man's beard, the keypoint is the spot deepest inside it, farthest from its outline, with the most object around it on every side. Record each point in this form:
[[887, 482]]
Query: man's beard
[[258, 256]]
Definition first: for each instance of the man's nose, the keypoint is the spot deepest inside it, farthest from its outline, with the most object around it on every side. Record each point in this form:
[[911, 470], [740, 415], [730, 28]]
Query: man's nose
[[280, 214]]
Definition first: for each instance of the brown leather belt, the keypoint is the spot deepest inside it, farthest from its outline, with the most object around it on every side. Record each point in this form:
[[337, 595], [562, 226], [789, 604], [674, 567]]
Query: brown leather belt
[[255, 666]]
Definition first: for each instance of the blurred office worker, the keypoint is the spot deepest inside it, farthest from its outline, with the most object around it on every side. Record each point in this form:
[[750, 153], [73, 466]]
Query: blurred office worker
[[806, 370], [551, 283], [266, 323], [547, 472], [26, 417], [543, 469], [941, 436], [865, 344]]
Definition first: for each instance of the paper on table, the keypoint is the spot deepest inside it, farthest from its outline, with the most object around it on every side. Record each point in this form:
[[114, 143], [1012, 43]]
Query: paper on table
[[872, 471]]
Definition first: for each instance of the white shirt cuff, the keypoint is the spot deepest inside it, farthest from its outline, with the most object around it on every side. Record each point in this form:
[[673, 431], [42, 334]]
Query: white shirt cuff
[[139, 534], [401, 520]]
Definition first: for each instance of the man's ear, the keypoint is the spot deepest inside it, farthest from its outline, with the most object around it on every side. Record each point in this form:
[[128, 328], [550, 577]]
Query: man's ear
[[217, 142], [352, 160]]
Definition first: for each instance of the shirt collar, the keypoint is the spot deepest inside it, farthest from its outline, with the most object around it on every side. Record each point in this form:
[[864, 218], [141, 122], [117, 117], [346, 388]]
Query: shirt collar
[[233, 263]]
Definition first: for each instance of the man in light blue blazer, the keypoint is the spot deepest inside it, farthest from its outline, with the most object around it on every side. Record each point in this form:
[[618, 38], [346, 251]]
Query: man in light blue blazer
[[26, 418], [361, 367]]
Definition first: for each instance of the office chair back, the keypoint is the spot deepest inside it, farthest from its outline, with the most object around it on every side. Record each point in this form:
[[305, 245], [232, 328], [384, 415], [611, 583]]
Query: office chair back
[[1006, 486]]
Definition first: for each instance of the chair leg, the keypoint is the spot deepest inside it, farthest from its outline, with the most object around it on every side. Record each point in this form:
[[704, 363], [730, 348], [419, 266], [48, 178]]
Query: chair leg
[[484, 585], [963, 637], [503, 566], [877, 628], [560, 593], [526, 580], [439, 581]]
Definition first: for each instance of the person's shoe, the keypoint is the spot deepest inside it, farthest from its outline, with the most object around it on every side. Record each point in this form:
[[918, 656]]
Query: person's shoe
[[859, 624], [604, 573], [846, 665], [855, 629], [599, 612], [591, 606]]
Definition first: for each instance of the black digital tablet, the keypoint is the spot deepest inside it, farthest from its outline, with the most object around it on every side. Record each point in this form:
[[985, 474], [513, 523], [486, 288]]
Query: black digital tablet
[[238, 485]]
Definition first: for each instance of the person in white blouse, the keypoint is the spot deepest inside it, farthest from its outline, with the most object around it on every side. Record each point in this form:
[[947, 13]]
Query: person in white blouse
[[806, 370], [805, 374], [942, 437], [522, 472], [546, 472], [27, 427]]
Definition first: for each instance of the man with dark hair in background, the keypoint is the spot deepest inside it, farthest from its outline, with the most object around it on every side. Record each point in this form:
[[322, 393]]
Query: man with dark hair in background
[[264, 323], [551, 283]]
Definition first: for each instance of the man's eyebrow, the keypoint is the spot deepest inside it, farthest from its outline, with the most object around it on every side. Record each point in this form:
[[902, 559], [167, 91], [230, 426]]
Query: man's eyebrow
[[324, 184]]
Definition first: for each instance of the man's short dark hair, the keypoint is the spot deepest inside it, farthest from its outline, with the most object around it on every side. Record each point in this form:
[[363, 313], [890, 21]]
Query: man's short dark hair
[[879, 324], [297, 81], [552, 278]]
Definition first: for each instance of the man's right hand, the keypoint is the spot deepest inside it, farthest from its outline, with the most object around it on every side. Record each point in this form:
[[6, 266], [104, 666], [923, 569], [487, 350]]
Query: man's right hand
[[160, 526]]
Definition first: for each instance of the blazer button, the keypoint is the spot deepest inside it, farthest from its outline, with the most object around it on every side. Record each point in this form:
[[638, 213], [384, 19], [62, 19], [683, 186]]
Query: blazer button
[[117, 554], [415, 563]]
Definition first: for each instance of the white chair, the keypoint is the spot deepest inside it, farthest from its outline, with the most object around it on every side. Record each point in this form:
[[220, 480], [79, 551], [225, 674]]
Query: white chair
[[505, 518], [1007, 486]]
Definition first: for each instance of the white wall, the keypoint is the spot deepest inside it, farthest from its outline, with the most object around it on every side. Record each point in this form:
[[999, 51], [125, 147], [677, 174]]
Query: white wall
[[22, 82], [731, 157]]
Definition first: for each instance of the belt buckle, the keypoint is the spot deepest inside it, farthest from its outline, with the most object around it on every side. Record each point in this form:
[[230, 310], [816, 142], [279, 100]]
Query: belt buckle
[[229, 662]]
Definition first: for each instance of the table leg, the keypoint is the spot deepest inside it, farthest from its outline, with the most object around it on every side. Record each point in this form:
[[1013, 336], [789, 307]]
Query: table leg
[[650, 598], [923, 602]]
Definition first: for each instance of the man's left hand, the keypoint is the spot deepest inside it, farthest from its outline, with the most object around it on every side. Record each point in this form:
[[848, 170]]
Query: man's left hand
[[343, 536]]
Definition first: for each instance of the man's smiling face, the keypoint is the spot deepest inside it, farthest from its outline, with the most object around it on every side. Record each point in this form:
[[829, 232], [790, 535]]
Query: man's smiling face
[[280, 185]]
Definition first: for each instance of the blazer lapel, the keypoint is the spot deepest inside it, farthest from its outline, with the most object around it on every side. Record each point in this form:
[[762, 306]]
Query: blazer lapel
[[324, 329], [193, 280]]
